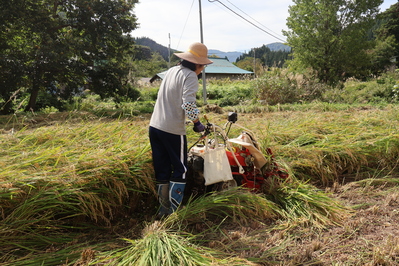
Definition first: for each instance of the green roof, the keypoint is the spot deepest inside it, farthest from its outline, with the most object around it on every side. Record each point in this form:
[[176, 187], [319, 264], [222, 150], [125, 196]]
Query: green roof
[[219, 66], [223, 66]]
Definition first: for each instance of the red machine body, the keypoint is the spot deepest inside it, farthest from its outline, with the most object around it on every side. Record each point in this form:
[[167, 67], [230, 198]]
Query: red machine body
[[251, 177]]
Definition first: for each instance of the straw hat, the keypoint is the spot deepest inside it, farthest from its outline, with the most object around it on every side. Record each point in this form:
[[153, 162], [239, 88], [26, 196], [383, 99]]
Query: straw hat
[[197, 53]]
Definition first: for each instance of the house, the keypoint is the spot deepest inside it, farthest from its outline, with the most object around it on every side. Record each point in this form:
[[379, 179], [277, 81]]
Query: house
[[220, 69], [223, 68]]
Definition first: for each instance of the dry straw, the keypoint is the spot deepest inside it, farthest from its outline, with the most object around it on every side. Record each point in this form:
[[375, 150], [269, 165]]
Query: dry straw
[[58, 179]]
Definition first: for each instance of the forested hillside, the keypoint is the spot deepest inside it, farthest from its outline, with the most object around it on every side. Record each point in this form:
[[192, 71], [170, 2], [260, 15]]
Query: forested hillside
[[278, 46], [155, 47], [267, 57]]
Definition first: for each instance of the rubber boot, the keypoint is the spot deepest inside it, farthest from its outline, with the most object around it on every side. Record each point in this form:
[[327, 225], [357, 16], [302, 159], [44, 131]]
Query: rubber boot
[[163, 198], [176, 193]]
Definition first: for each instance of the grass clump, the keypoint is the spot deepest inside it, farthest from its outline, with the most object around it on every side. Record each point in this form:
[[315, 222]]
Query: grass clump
[[161, 246], [300, 203], [158, 246], [239, 205]]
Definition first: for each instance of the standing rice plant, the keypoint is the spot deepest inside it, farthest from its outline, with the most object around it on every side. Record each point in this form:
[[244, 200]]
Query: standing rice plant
[[39, 220], [324, 166], [327, 147], [60, 179], [104, 159]]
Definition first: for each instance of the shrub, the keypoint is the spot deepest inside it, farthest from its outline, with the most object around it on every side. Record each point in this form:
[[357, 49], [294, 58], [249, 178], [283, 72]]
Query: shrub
[[226, 92], [275, 89], [281, 86], [149, 93], [381, 90], [130, 92]]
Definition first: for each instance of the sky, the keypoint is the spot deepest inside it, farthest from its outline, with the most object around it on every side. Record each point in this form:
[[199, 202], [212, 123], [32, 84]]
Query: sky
[[227, 25]]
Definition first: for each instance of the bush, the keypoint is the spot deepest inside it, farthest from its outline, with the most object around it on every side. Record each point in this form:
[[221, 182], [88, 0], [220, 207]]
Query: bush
[[130, 92], [149, 93], [275, 89], [280, 87], [228, 92], [381, 90]]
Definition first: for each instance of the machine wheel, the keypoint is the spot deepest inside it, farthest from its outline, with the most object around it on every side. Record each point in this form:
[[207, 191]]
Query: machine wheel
[[221, 186]]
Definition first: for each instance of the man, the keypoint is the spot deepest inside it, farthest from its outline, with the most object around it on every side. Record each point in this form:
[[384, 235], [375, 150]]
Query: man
[[176, 100]]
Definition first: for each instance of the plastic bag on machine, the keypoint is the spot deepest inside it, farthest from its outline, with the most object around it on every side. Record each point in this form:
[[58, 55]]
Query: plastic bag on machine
[[216, 166]]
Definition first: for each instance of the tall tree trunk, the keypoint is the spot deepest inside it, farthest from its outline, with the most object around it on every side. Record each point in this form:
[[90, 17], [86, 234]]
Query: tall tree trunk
[[33, 97]]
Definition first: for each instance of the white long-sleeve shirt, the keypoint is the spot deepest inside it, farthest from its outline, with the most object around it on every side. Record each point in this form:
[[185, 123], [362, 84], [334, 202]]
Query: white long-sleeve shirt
[[179, 87]]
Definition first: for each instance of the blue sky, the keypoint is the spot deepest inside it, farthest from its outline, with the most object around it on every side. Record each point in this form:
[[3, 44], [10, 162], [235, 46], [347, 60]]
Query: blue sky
[[222, 29]]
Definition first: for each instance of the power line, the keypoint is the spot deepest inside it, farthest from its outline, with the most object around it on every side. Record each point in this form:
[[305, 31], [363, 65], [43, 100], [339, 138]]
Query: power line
[[254, 19], [247, 19], [185, 24]]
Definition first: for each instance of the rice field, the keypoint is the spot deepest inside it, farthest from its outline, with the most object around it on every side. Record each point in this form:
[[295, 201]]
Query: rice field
[[78, 189]]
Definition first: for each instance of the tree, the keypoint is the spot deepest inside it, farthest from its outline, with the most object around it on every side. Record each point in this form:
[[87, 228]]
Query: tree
[[148, 67], [60, 46], [330, 37], [249, 64], [267, 57], [387, 36]]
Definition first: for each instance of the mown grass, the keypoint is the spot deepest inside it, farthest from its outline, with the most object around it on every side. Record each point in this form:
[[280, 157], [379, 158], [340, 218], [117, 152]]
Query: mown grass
[[72, 186]]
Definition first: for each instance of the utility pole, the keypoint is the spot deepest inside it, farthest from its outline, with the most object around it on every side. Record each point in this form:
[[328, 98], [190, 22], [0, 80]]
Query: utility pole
[[254, 62], [202, 41], [169, 52]]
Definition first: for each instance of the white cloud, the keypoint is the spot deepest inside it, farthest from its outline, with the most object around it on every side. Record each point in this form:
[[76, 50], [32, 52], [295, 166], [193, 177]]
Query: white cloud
[[222, 29]]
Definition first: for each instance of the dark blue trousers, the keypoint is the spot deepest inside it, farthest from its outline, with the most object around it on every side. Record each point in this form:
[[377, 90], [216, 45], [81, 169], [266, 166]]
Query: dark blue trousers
[[169, 155]]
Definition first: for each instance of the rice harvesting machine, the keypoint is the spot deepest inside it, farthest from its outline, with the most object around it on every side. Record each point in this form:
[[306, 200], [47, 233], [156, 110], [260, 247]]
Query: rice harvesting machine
[[217, 162]]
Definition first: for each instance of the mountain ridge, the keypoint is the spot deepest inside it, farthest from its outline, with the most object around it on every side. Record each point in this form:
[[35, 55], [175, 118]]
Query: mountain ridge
[[231, 56]]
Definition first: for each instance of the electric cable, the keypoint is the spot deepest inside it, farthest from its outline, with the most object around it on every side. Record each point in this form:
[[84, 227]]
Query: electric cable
[[185, 24], [212, 1], [255, 19]]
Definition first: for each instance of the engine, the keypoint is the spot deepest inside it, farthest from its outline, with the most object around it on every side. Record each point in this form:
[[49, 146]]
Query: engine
[[242, 166]]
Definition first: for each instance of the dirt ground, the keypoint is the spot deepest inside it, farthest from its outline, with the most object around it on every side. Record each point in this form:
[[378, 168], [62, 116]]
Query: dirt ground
[[370, 236]]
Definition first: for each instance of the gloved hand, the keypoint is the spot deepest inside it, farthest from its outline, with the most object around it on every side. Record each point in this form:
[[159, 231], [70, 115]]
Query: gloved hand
[[198, 126]]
